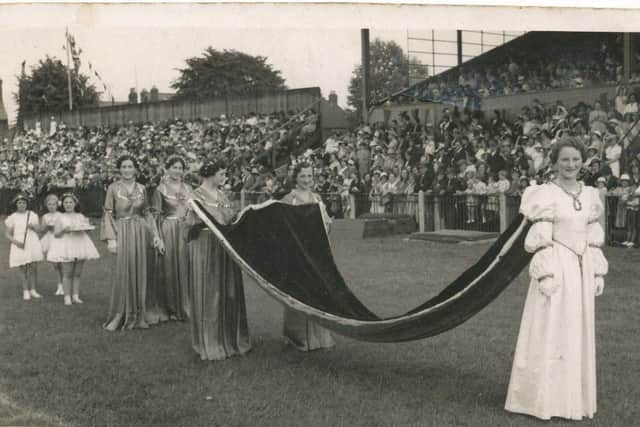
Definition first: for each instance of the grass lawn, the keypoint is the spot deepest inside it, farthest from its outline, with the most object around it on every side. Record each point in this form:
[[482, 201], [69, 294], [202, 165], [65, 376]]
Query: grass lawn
[[58, 367]]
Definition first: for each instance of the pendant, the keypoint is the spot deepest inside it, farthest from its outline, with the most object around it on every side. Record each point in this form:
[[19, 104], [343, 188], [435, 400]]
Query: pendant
[[577, 204]]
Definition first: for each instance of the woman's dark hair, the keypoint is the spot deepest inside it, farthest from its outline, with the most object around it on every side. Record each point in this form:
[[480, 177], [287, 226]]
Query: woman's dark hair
[[126, 157], [73, 197], [18, 197], [172, 160], [211, 167], [298, 168], [567, 141]]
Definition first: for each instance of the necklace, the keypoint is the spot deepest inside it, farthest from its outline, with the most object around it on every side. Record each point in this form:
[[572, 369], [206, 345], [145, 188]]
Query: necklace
[[577, 204]]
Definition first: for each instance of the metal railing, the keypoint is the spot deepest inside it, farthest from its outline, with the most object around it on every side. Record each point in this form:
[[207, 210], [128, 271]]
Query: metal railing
[[432, 212]]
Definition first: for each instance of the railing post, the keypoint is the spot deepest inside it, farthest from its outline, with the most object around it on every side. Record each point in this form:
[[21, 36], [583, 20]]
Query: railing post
[[421, 211], [242, 199], [352, 206], [437, 222], [503, 212]]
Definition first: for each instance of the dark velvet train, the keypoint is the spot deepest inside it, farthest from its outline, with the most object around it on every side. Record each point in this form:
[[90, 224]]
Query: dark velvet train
[[286, 250]]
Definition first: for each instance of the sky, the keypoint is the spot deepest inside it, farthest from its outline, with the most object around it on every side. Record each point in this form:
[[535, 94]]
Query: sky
[[139, 46]]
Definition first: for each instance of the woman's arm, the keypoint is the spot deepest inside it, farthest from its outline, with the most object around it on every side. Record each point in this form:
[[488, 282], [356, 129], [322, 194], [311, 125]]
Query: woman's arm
[[8, 232]]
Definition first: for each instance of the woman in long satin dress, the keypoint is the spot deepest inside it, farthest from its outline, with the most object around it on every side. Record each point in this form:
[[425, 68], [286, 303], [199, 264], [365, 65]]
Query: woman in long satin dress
[[554, 367], [129, 228], [170, 206], [219, 326], [299, 331]]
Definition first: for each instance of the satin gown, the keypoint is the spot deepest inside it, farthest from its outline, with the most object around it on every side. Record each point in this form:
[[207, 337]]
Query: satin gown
[[127, 219], [299, 331], [219, 327], [172, 288], [554, 367]]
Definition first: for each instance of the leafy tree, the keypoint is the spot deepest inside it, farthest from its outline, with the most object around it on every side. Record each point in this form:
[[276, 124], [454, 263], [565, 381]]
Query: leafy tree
[[45, 89], [223, 73], [388, 73]]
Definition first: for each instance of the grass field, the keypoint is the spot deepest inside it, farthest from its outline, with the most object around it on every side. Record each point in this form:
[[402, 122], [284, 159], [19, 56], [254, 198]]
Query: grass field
[[58, 367]]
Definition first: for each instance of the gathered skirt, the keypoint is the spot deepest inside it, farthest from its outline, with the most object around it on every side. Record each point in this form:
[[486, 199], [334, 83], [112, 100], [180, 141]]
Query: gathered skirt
[[130, 277], [219, 327], [73, 246], [31, 252], [554, 367], [304, 334], [173, 271]]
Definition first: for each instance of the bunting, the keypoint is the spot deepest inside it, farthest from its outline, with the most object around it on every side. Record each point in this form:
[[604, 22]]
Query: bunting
[[75, 52]]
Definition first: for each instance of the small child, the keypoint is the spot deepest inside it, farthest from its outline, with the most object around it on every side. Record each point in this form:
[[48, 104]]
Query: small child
[[48, 221], [25, 251], [71, 246]]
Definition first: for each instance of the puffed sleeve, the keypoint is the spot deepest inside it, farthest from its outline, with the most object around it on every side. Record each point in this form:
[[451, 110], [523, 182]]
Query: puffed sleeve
[[108, 226], [9, 221], [595, 240], [537, 206]]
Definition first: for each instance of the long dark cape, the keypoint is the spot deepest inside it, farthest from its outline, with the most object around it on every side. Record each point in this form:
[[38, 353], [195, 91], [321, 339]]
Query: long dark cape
[[286, 250]]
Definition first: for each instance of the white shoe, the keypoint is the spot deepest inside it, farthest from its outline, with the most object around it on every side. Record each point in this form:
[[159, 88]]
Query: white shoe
[[76, 299], [35, 294], [67, 300], [59, 290], [26, 295]]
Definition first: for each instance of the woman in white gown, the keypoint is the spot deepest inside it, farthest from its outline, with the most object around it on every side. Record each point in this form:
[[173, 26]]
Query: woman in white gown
[[554, 367]]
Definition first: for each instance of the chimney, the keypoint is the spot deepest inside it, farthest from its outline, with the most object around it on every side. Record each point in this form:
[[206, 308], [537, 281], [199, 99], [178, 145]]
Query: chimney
[[4, 119], [333, 98]]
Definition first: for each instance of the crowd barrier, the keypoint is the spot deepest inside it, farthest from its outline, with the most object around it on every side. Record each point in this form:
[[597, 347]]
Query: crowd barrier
[[432, 212]]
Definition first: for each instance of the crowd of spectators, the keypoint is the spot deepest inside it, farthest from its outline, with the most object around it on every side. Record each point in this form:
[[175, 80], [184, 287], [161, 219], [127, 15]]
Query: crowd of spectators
[[468, 154], [574, 64], [81, 158]]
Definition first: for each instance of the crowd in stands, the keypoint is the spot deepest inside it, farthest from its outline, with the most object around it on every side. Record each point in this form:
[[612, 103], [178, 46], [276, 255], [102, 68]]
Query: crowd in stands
[[81, 158], [586, 62], [468, 154]]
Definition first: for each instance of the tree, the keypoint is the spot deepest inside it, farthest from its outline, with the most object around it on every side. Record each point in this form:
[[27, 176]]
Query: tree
[[45, 89], [388, 73], [226, 73]]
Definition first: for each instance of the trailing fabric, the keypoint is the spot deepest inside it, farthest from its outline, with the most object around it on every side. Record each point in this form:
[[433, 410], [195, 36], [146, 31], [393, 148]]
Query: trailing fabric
[[285, 249]]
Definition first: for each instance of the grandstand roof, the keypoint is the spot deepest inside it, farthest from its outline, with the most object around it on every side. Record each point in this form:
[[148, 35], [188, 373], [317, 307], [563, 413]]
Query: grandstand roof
[[533, 41]]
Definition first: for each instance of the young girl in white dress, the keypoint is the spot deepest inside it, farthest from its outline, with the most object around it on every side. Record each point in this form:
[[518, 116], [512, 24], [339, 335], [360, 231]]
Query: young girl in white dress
[[25, 251], [71, 246], [46, 226]]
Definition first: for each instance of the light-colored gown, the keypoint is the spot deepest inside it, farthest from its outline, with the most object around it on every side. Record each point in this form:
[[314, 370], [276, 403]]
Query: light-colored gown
[[127, 219], [301, 332], [554, 367], [172, 267], [219, 327]]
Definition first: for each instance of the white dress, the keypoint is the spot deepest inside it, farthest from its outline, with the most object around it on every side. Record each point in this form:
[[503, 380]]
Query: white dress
[[32, 251], [554, 367], [48, 219], [71, 245]]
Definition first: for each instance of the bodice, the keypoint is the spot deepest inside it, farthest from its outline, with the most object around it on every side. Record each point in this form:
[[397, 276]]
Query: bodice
[[570, 226], [172, 202], [128, 203]]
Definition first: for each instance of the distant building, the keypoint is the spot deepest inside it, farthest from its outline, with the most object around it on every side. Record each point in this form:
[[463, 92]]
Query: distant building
[[333, 116]]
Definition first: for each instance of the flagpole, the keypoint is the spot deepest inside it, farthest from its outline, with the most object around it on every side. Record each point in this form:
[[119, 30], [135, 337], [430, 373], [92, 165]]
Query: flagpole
[[68, 68]]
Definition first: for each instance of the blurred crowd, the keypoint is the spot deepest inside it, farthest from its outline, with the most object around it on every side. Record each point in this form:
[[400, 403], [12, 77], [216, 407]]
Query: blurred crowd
[[526, 70], [467, 153], [82, 157]]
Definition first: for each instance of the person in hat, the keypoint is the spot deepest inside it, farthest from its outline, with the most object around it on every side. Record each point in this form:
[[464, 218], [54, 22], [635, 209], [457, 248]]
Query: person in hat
[[25, 251], [71, 247], [628, 207]]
